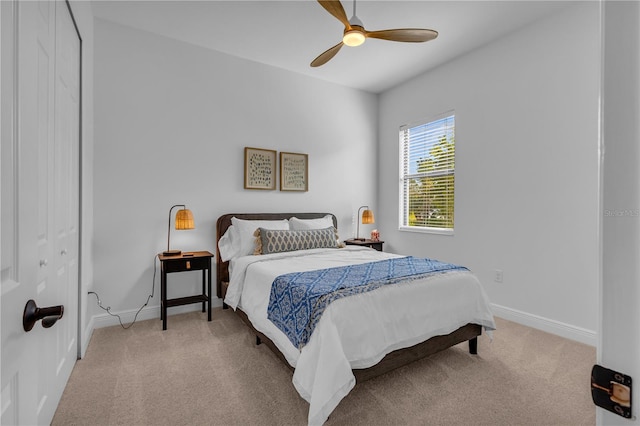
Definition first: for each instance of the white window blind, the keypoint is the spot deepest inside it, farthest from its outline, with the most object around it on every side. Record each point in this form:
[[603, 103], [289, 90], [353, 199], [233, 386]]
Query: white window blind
[[427, 175]]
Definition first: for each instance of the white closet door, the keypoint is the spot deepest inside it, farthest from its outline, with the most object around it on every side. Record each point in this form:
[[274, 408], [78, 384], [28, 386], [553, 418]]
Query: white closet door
[[40, 204]]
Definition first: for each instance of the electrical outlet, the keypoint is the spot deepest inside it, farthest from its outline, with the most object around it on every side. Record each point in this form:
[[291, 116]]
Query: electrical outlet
[[498, 275]]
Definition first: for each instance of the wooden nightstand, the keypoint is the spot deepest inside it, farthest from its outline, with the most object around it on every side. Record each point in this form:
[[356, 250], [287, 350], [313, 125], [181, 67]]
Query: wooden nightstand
[[377, 245], [186, 261]]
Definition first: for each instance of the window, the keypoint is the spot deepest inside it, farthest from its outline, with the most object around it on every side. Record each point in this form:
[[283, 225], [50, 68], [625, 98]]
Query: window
[[427, 175]]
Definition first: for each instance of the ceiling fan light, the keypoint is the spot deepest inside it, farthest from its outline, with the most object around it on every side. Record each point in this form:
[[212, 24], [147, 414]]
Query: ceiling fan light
[[353, 38]]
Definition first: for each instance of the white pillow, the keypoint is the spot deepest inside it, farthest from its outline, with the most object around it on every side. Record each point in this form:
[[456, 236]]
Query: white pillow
[[229, 245], [243, 237], [303, 224]]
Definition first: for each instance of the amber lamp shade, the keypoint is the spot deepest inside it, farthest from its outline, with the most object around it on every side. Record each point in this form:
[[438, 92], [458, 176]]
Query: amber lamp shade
[[367, 218], [184, 220]]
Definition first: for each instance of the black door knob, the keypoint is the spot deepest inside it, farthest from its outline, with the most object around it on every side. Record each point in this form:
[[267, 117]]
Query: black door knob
[[33, 314]]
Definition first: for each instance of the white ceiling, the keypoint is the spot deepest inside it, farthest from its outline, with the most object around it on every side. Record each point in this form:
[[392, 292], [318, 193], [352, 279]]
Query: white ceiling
[[290, 34]]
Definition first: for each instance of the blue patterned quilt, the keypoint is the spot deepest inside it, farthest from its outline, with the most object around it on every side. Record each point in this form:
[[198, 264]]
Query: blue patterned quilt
[[298, 299]]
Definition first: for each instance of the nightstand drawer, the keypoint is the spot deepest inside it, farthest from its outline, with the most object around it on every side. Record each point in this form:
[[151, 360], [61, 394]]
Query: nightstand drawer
[[376, 245], [186, 264]]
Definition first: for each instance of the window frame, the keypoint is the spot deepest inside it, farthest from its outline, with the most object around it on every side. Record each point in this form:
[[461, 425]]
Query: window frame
[[401, 181]]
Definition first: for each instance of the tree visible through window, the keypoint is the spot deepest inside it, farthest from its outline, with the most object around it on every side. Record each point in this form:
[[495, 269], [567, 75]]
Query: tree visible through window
[[427, 175]]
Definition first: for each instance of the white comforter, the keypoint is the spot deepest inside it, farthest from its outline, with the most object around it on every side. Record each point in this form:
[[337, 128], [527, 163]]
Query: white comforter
[[356, 331]]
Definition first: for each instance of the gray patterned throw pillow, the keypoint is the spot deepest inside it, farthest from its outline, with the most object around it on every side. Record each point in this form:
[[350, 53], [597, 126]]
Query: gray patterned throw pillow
[[277, 241]]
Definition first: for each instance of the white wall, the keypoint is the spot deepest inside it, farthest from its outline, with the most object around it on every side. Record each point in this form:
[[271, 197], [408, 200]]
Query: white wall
[[526, 169], [172, 121]]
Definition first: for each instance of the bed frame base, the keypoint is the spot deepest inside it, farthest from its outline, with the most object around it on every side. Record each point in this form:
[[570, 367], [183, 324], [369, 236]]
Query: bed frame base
[[261, 338], [404, 356], [394, 359]]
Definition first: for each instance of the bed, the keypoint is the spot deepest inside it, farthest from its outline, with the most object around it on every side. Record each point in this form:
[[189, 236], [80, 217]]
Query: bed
[[357, 337]]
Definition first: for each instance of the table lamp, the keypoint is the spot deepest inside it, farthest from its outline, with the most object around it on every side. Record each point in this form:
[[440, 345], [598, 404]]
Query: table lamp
[[367, 218], [184, 220]]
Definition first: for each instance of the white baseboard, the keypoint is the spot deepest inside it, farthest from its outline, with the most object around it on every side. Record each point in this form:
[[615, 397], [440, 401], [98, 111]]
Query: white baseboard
[[582, 335], [579, 334], [127, 317], [147, 313]]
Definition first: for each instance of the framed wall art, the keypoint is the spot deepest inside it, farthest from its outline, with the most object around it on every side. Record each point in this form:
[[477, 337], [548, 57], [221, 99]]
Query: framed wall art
[[259, 168], [294, 172]]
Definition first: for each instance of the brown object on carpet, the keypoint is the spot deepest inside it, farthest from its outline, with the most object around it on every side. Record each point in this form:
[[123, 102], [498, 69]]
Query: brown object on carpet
[[212, 373]]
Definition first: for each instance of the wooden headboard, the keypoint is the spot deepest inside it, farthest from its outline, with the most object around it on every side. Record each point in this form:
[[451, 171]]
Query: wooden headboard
[[224, 221]]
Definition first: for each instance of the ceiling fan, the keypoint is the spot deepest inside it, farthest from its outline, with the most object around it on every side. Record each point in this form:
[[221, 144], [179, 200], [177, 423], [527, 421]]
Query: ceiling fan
[[355, 34]]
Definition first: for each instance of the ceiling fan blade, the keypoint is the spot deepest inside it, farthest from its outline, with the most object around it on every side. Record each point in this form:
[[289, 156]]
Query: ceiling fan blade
[[335, 8], [412, 35], [326, 56]]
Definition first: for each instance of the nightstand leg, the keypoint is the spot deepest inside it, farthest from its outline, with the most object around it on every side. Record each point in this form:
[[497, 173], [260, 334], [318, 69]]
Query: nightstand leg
[[209, 292], [163, 301], [204, 304]]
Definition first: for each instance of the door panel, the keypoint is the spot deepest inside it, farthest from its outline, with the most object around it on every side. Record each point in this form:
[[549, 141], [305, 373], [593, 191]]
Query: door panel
[[66, 194], [40, 203], [20, 266]]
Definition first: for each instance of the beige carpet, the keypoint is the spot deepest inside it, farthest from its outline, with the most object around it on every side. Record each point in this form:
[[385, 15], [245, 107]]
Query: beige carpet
[[211, 373]]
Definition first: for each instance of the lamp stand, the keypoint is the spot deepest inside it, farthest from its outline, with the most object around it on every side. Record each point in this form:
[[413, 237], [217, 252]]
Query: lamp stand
[[168, 252], [172, 252], [357, 238]]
